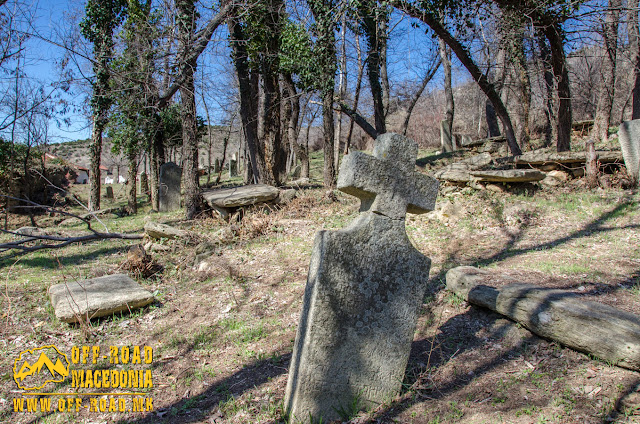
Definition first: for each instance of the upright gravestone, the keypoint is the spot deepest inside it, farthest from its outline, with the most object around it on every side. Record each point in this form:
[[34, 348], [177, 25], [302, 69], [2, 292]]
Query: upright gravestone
[[445, 136], [109, 193], [169, 190], [233, 166], [216, 166], [364, 290], [629, 137]]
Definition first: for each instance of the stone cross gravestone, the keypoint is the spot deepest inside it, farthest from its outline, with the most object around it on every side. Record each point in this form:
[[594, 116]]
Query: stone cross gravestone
[[365, 286], [445, 137], [169, 190], [629, 137]]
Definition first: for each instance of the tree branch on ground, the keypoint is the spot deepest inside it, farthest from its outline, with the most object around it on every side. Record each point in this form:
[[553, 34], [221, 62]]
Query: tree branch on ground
[[16, 248]]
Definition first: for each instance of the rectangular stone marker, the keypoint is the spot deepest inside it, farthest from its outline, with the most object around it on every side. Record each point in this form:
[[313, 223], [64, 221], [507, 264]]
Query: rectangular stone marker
[[364, 290], [109, 193], [169, 190], [445, 136], [629, 137], [97, 297], [233, 168]]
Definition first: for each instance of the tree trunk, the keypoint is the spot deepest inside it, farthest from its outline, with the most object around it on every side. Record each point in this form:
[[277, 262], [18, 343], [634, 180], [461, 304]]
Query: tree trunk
[[524, 84], [248, 91], [594, 328], [445, 56], [156, 156], [634, 46], [186, 29], [555, 35], [94, 171], [132, 194], [608, 68], [356, 98], [321, 10], [545, 61], [291, 97], [467, 61], [371, 28], [592, 164]]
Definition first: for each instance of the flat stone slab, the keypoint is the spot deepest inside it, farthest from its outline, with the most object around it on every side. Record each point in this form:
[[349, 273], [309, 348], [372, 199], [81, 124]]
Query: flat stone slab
[[480, 142], [240, 196], [97, 297], [157, 231], [537, 157], [509, 175]]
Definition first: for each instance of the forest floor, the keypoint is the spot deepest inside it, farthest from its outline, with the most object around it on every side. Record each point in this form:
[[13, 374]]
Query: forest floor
[[222, 333]]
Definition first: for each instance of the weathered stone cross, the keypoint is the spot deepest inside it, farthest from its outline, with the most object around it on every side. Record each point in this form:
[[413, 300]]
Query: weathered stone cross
[[365, 287]]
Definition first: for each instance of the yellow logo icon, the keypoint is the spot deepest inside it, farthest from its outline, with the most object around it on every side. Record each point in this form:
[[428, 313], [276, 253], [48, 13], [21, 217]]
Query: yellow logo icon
[[34, 368]]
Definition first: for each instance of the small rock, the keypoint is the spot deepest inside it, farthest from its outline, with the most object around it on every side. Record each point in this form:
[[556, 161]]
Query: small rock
[[495, 188], [286, 196], [158, 231], [558, 175]]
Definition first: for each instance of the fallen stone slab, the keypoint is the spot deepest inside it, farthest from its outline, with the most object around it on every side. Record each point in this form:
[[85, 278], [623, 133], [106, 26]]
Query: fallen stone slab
[[157, 231], [458, 172], [240, 196], [97, 297], [474, 143], [537, 157], [591, 327], [509, 175]]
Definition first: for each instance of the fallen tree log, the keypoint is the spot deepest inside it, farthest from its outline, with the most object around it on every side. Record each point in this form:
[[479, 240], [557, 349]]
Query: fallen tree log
[[591, 327]]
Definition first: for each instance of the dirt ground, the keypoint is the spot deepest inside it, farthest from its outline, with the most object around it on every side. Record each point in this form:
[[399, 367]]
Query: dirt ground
[[222, 328]]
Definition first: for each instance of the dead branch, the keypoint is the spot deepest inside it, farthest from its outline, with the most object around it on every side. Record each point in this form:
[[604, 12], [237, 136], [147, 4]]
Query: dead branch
[[20, 247]]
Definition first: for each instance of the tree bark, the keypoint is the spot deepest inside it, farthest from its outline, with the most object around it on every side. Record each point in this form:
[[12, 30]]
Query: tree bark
[[445, 56], [370, 24], [132, 194], [322, 12], [186, 35], [356, 98], [545, 61], [634, 46], [94, 171], [608, 68], [293, 99], [248, 92], [590, 327], [555, 34], [592, 164]]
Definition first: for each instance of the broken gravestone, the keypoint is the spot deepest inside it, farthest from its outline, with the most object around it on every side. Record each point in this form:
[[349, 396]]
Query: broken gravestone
[[364, 290], [97, 297], [629, 137], [169, 190]]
